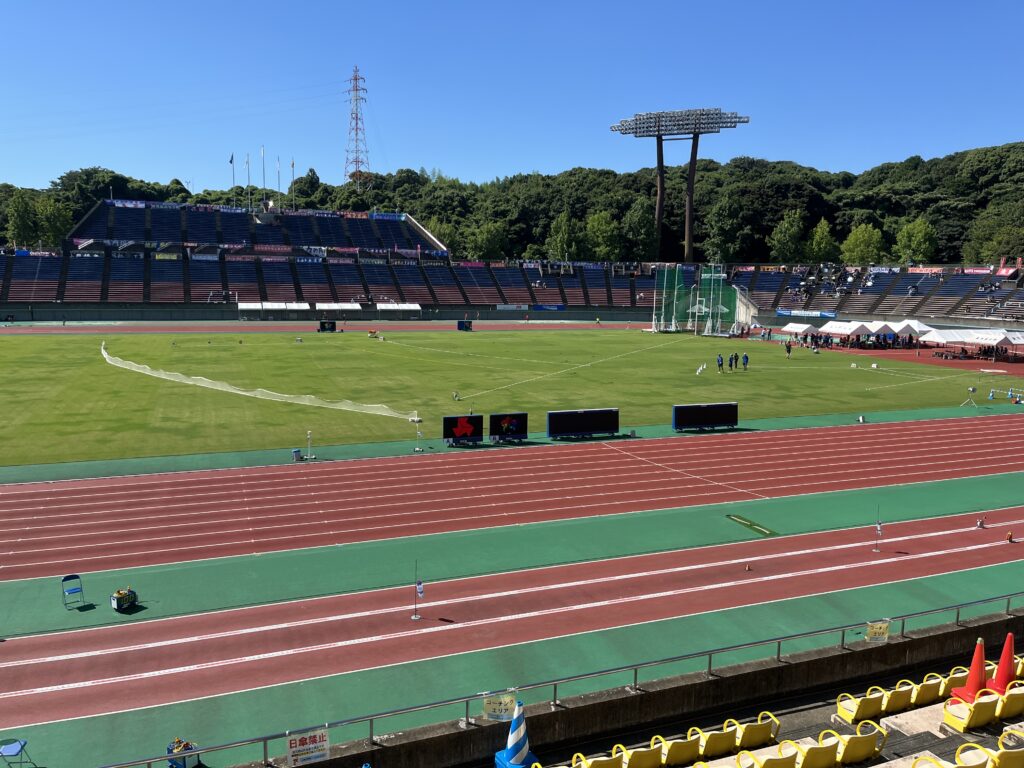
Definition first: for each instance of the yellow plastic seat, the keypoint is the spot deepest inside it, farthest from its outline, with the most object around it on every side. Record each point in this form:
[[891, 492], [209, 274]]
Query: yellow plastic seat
[[579, 760], [762, 731], [975, 755], [1011, 704], [815, 756], [645, 757], [924, 761], [961, 716], [677, 751], [1020, 666], [927, 691], [867, 707], [957, 677], [866, 744], [898, 699], [747, 759], [714, 743]]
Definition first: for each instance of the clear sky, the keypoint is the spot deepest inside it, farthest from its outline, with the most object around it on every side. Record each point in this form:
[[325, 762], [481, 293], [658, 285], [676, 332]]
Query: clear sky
[[480, 90]]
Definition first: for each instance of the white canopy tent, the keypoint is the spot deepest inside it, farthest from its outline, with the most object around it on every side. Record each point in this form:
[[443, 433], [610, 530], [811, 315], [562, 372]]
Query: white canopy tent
[[911, 327], [880, 326], [798, 329], [840, 328]]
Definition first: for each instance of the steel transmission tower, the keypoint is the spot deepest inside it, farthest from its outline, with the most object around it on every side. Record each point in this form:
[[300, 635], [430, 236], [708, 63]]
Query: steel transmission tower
[[357, 161]]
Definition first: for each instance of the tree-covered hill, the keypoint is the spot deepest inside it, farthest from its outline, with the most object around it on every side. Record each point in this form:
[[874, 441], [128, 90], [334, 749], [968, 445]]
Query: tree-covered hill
[[966, 206]]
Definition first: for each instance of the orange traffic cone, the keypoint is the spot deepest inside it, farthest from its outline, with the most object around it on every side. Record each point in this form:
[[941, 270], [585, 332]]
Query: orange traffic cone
[[1006, 671], [975, 678]]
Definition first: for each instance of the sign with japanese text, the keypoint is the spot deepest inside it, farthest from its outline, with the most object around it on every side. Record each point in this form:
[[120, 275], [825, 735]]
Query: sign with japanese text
[[307, 747]]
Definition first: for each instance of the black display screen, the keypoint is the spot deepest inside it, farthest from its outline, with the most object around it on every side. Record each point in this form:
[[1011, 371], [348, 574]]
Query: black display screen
[[468, 429], [705, 416], [594, 421], [508, 426]]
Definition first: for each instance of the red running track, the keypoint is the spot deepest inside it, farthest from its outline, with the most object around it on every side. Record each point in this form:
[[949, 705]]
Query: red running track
[[89, 525], [90, 672]]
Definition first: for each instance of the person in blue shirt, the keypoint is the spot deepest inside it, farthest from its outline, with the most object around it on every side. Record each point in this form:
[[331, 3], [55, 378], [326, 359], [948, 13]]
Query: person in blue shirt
[[746, 359], [720, 364]]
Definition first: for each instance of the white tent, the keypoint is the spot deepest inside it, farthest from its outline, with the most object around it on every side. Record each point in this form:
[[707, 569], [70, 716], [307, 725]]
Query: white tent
[[798, 329], [912, 327], [838, 328], [950, 336], [880, 326]]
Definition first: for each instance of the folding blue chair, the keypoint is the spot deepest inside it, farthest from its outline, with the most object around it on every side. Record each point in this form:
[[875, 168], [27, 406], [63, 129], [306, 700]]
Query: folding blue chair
[[71, 591], [15, 752]]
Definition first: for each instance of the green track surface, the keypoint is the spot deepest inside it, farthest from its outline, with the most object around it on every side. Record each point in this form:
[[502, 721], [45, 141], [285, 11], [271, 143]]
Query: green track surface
[[100, 740], [32, 605], [74, 470]]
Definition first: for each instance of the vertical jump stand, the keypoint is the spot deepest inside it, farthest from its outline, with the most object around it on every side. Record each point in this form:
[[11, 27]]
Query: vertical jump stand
[[970, 397]]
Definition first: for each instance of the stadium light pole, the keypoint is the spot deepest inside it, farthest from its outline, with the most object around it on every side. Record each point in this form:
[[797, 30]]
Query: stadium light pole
[[679, 125]]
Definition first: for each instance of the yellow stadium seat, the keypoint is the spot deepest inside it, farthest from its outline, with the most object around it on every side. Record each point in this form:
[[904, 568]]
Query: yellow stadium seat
[[762, 731], [677, 751], [866, 744], [649, 757], [714, 743], [747, 759], [1011, 704], [976, 756], [927, 760], [961, 716], [815, 756], [927, 692], [957, 677], [898, 699], [579, 760], [867, 707], [1020, 665]]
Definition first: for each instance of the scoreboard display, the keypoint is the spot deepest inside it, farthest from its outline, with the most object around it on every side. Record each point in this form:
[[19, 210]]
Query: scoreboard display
[[705, 416], [508, 426], [463, 429], [585, 423]]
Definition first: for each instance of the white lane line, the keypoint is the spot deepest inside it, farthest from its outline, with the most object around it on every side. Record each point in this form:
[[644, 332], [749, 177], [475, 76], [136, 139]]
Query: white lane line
[[755, 557], [923, 381], [474, 623], [684, 473]]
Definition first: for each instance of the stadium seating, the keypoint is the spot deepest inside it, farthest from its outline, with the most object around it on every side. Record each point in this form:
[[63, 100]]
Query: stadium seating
[[204, 281], [677, 751], [127, 272], [906, 293], [762, 731], [414, 286], [573, 290], [166, 280], [596, 281], [94, 225], [952, 290], [855, 708], [443, 282], [35, 278], [927, 692], [767, 288], [332, 232], [513, 284], [313, 281], [300, 230], [1005, 756], [268, 234], [84, 278], [347, 283], [714, 743], [962, 716], [644, 291], [201, 226], [824, 754], [477, 283], [243, 280], [378, 280], [872, 286], [130, 224], [622, 291], [545, 288], [277, 280], [866, 744], [165, 225], [234, 227]]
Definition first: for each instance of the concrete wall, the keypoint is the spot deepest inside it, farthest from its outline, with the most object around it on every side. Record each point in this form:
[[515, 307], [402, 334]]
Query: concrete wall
[[679, 702]]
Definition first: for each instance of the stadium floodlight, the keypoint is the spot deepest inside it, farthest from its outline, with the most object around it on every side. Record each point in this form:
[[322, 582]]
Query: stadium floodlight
[[678, 125]]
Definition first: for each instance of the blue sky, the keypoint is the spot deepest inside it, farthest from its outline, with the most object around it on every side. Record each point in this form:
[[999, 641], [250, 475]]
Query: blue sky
[[482, 90]]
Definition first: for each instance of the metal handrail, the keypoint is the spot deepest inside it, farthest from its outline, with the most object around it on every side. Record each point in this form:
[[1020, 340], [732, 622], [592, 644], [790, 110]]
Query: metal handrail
[[555, 682]]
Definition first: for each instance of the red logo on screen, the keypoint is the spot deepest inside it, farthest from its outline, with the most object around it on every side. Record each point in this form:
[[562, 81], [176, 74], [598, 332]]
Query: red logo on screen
[[463, 428]]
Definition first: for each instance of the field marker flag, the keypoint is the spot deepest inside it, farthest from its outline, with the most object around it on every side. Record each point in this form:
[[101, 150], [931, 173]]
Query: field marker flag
[[517, 748]]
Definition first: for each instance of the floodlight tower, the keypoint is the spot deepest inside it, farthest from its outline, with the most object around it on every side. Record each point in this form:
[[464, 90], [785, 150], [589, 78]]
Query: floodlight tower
[[356, 155], [679, 125]]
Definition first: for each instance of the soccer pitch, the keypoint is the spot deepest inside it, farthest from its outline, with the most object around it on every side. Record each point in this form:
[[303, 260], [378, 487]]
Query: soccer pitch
[[62, 401]]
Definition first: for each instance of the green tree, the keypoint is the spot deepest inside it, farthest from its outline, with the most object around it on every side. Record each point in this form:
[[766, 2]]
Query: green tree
[[1007, 242], [22, 226], [565, 240], [638, 230], [724, 230], [487, 242], [863, 246], [821, 246], [54, 220], [604, 236], [916, 242], [786, 240]]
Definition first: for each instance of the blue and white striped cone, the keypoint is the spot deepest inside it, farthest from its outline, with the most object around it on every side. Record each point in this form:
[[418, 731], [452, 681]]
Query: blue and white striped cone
[[517, 748]]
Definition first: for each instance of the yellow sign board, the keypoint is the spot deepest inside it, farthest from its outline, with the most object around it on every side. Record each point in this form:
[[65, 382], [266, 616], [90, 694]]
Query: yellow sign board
[[877, 631], [500, 706]]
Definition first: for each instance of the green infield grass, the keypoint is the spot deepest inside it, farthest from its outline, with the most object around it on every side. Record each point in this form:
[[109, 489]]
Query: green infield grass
[[61, 401]]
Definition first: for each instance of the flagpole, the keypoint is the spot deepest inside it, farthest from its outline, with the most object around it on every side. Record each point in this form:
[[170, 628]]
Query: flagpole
[[263, 159], [232, 179], [416, 591], [293, 184], [279, 177], [248, 181]]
